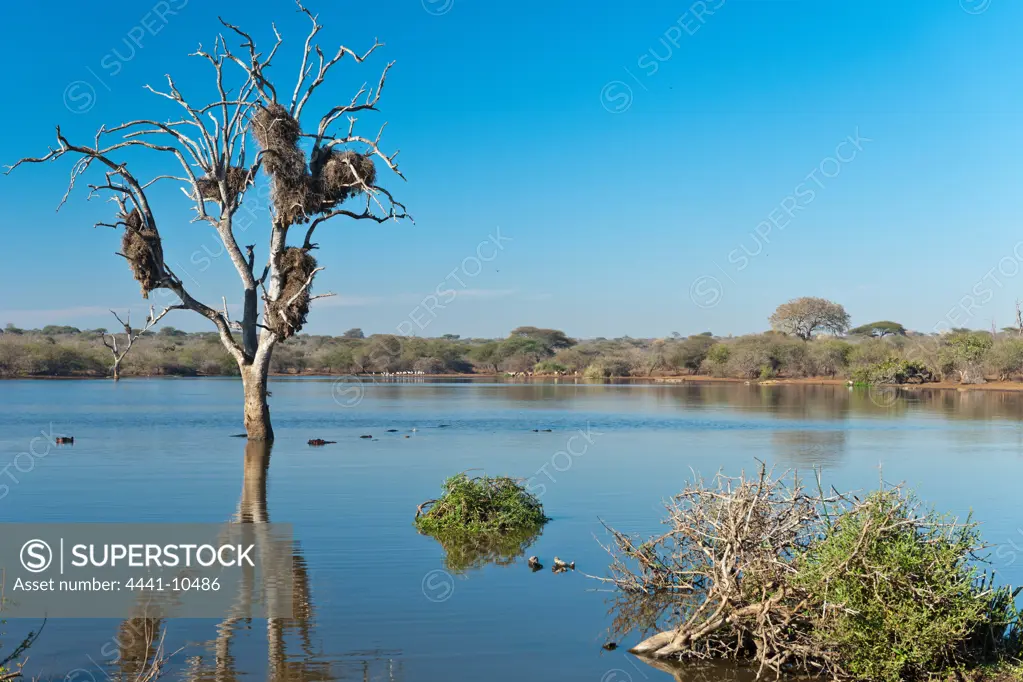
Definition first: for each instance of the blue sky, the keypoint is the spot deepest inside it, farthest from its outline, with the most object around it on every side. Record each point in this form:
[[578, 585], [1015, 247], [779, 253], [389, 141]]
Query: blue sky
[[668, 166]]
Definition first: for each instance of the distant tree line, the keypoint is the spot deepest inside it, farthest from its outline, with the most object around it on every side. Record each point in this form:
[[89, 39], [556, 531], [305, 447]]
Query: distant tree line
[[810, 338]]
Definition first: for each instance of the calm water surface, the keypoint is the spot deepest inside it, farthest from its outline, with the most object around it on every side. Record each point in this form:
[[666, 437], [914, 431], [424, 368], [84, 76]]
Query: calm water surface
[[384, 603]]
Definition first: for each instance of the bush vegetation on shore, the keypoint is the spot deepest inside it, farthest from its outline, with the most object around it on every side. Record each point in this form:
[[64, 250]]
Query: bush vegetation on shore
[[877, 355]]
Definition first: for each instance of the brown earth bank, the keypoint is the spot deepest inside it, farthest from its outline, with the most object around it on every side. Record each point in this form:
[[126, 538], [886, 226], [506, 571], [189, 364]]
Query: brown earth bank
[[829, 381], [686, 379]]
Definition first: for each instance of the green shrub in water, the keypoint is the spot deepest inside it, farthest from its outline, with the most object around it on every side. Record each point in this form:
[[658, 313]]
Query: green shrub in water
[[900, 595], [480, 505]]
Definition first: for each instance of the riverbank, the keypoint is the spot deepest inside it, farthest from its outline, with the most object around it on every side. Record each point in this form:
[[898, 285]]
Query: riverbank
[[1013, 386], [828, 381], [536, 353]]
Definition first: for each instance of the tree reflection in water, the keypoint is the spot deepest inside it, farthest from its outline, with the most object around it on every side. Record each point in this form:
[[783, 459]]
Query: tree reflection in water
[[139, 637]]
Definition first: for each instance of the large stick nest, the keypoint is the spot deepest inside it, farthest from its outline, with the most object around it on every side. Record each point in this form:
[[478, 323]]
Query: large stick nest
[[142, 248], [345, 174], [295, 198], [286, 316], [295, 195], [274, 128], [237, 178]]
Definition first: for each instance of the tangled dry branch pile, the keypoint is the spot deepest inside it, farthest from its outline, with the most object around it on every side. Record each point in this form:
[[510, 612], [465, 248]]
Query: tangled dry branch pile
[[759, 569]]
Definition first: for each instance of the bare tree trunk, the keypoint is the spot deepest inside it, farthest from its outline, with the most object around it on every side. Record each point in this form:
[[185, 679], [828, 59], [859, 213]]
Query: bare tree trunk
[[117, 370], [257, 411]]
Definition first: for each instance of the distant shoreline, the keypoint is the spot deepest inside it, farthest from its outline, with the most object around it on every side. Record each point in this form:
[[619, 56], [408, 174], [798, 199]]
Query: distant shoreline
[[1009, 386]]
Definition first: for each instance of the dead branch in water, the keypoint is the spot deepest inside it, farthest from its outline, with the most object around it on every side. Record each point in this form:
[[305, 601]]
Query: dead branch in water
[[758, 568], [727, 558]]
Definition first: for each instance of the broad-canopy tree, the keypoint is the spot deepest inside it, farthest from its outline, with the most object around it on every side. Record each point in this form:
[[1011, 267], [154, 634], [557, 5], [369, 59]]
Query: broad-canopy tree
[[808, 315], [553, 339], [879, 329], [486, 354], [319, 169]]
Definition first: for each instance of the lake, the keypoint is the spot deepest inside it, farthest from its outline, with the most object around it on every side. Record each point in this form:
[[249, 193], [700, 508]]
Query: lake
[[380, 602]]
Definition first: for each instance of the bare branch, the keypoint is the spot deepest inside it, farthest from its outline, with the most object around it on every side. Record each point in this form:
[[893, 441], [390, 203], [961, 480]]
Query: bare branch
[[132, 335], [397, 211], [304, 70], [255, 67], [372, 99]]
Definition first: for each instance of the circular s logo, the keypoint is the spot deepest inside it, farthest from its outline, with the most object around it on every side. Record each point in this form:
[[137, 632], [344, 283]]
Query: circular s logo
[[616, 675], [438, 7], [705, 291], [36, 556], [79, 97], [438, 586], [616, 97], [348, 391], [974, 6]]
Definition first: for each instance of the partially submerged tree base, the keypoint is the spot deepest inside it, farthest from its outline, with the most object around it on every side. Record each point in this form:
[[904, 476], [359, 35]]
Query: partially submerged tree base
[[760, 570]]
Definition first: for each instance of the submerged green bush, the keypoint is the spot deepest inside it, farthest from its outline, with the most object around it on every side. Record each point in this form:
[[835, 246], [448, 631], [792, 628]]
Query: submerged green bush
[[480, 506], [901, 595]]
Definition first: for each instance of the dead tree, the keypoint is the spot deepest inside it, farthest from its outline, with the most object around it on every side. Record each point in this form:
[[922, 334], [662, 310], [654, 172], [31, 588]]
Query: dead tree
[[725, 567], [130, 336], [315, 174]]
